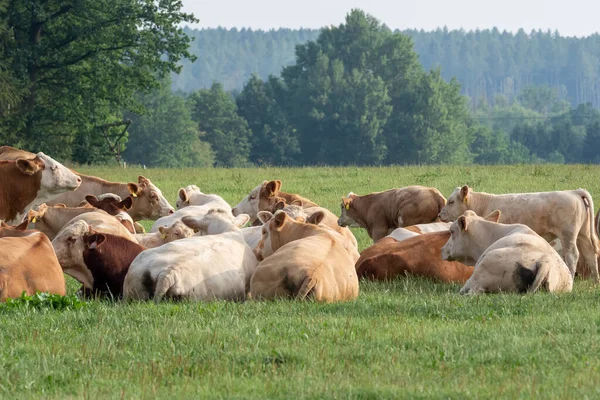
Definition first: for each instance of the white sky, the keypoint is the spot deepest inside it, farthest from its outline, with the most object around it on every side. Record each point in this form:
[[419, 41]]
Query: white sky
[[570, 18]]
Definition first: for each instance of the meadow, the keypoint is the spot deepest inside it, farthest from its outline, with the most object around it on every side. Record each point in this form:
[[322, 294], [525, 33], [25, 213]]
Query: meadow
[[409, 338]]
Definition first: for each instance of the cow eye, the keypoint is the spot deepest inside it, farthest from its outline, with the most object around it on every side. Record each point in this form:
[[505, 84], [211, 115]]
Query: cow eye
[[451, 202], [71, 239], [252, 197], [54, 168]]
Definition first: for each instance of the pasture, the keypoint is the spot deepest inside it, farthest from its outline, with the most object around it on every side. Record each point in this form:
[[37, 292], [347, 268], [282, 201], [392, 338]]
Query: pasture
[[407, 338]]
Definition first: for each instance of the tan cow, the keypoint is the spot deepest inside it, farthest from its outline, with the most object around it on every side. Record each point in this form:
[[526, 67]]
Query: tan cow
[[148, 200], [28, 264], [382, 212], [25, 184], [510, 257], [177, 231], [303, 261], [418, 256], [567, 215], [265, 195]]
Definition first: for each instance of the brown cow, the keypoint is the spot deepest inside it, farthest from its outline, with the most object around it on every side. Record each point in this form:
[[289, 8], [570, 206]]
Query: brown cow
[[28, 264], [26, 183], [8, 153], [148, 200], [265, 195], [107, 258], [420, 256], [382, 212]]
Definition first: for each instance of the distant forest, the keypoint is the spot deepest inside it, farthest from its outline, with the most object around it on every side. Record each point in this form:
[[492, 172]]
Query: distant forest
[[486, 63]]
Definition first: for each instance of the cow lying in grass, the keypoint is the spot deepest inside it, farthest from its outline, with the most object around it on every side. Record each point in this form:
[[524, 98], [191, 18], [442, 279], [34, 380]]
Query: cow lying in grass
[[510, 257], [177, 231], [400, 234], [192, 196]]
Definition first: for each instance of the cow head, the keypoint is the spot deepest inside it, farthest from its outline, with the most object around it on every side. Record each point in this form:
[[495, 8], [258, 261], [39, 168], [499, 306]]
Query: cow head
[[273, 234], [148, 201], [37, 214], [69, 245], [216, 221], [259, 199], [347, 213], [462, 242], [185, 194], [177, 231], [456, 205], [115, 207], [54, 177]]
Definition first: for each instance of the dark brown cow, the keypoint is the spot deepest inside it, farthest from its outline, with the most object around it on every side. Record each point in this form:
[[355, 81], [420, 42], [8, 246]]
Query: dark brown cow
[[28, 263], [419, 256], [108, 258], [382, 212]]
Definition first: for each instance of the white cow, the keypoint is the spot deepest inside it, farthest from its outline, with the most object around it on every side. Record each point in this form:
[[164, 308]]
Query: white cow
[[197, 211], [510, 257], [567, 215], [401, 234], [164, 235], [192, 196], [216, 265]]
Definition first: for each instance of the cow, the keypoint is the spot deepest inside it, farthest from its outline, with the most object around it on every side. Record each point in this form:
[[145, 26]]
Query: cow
[[192, 196], [214, 264], [215, 201], [598, 223], [69, 242], [26, 183], [165, 235], [510, 257], [148, 200], [301, 260], [567, 215], [8, 153], [106, 259], [418, 256], [400, 234], [115, 207], [265, 195], [28, 263], [382, 212]]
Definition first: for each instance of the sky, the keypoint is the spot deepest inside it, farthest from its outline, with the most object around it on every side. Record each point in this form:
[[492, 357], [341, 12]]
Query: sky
[[570, 18]]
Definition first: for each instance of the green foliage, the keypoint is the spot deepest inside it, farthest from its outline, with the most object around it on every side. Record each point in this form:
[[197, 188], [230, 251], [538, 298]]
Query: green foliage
[[215, 112], [83, 62], [42, 301], [166, 135]]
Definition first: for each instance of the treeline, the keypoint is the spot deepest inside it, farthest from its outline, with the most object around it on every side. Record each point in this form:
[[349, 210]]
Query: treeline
[[487, 63]]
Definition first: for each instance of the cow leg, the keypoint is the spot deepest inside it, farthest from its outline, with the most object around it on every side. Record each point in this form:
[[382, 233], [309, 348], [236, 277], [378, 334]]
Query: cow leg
[[570, 254], [589, 259]]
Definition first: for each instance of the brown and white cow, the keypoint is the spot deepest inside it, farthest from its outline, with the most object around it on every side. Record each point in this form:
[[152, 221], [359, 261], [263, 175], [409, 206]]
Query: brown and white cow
[[148, 200], [106, 259], [265, 195], [567, 215], [418, 256], [510, 257], [28, 263], [26, 183], [382, 212], [303, 261], [177, 231]]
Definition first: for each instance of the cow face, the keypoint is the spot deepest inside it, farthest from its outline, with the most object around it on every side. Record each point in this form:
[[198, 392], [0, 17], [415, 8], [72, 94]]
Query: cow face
[[56, 178], [175, 232], [183, 199], [114, 206], [271, 236], [216, 221], [345, 218], [148, 201], [456, 205], [69, 245], [463, 240], [249, 204]]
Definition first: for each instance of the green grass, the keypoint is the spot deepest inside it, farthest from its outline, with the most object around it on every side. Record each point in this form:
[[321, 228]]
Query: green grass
[[407, 338]]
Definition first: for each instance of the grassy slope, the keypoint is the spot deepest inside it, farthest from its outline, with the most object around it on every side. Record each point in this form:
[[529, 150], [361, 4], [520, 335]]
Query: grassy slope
[[409, 338]]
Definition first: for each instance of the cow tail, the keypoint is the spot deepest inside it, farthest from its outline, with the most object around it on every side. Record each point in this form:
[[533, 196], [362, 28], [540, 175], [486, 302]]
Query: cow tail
[[541, 271], [164, 282], [307, 287], [589, 204]]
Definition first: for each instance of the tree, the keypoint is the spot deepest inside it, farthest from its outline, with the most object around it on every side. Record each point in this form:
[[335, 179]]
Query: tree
[[591, 147], [166, 135], [215, 113], [83, 62]]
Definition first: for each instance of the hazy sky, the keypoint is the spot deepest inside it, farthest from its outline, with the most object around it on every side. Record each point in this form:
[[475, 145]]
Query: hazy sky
[[570, 17]]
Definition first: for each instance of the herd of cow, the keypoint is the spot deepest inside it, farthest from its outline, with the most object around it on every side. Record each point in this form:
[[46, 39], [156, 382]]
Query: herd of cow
[[55, 221]]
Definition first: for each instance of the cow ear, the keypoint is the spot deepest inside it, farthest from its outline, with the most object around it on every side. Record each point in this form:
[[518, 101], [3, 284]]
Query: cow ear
[[93, 200], [462, 223], [494, 216], [142, 180], [133, 189], [242, 220], [464, 192], [94, 241], [194, 223], [23, 225], [280, 205], [183, 195], [127, 203], [297, 202], [316, 218], [28, 167], [278, 220], [346, 201], [273, 188], [264, 216]]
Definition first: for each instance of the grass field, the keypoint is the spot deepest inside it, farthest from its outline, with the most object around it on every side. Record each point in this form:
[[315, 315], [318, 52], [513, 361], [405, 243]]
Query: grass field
[[404, 339]]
